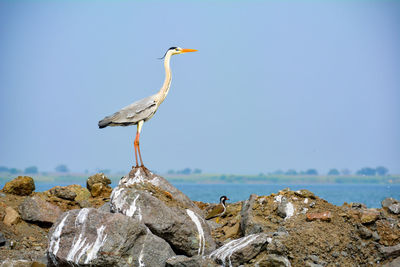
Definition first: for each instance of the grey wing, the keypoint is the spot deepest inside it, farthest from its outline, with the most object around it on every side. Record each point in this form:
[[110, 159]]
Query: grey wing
[[143, 109]]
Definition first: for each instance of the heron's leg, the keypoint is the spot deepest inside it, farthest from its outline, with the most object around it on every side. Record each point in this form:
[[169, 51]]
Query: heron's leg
[[135, 144], [139, 127]]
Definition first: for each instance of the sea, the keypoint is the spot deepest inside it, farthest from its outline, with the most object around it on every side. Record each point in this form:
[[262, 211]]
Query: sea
[[369, 194]]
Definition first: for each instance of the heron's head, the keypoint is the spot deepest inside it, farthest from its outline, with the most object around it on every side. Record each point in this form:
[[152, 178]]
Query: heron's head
[[178, 50]]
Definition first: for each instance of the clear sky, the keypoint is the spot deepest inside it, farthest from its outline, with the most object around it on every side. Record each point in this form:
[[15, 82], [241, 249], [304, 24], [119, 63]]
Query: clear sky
[[275, 84]]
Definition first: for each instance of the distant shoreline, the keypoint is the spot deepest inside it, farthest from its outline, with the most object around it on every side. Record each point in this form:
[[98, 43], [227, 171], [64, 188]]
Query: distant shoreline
[[71, 178]]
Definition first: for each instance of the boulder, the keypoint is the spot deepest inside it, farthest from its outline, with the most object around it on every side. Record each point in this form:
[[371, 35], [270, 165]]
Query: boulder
[[322, 216], [393, 263], [168, 214], [273, 260], [241, 250], [392, 251], [35, 209], [11, 217], [391, 204], [3, 240], [82, 195], [304, 193], [247, 224], [364, 232], [89, 237], [63, 192], [388, 231], [100, 190], [97, 178], [195, 261], [22, 186], [20, 263], [285, 208], [369, 216]]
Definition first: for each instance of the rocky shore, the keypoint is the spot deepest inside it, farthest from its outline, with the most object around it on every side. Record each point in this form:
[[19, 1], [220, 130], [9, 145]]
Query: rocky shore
[[145, 221]]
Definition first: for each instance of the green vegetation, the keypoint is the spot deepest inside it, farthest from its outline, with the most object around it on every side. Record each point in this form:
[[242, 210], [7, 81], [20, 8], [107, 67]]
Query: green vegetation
[[282, 179]]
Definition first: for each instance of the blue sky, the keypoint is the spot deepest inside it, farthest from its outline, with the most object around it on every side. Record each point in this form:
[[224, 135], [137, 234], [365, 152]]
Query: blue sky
[[275, 85]]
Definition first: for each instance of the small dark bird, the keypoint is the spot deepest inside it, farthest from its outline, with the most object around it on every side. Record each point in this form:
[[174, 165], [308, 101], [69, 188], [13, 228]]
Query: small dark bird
[[218, 210]]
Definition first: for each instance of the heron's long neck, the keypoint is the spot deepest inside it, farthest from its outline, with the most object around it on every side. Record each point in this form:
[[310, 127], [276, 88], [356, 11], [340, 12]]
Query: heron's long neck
[[162, 94]]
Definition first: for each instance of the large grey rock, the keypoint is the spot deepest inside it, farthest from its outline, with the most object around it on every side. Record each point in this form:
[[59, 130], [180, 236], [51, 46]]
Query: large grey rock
[[391, 204], [195, 261], [247, 224], [241, 250], [168, 214], [89, 237], [35, 209]]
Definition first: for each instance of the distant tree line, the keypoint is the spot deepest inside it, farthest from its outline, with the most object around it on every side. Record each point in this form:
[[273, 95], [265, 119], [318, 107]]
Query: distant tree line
[[185, 171], [380, 171], [62, 168]]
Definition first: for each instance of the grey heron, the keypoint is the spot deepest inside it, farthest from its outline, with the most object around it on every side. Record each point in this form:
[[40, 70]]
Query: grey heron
[[143, 110]]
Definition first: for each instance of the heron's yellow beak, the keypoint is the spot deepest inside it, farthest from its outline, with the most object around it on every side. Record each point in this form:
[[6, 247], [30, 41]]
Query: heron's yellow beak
[[185, 50]]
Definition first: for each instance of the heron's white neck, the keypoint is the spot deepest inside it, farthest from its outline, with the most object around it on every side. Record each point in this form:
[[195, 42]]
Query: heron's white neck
[[162, 94]]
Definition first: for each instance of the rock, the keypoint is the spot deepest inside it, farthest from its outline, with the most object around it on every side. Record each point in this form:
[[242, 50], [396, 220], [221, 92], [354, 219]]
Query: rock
[[89, 237], [195, 261], [375, 236], [388, 232], [100, 190], [305, 193], [364, 232], [168, 214], [325, 216], [97, 178], [369, 216], [232, 231], [273, 260], [84, 203], [356, 205], [388, 201], [63, 192], [393, 263], [22, 186], [247, 224], [392, 205], [12, 217], [241, 250], [16, 263], [395, 208], [21, 263], [82, 194], [285, 208], [393, 251], [98, 185], [35, 209], [3, 240], [145, 179], [106, 207], [312, 264]]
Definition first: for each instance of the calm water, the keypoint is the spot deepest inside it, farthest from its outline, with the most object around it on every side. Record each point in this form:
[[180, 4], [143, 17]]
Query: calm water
[[369, 194]]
